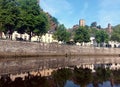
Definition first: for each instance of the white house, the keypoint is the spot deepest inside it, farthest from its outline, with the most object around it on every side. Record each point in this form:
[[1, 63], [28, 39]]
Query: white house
[[47, 38], [16, 35]]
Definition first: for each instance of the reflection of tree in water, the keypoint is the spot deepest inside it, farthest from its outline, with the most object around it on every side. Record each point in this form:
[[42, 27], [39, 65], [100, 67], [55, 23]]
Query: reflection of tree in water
[[61, 76], [116, 76], [82, 76], [103, 74]]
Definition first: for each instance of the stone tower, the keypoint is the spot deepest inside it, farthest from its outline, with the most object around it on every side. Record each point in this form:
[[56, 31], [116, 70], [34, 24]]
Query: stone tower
[[109, 29], [82, 22]]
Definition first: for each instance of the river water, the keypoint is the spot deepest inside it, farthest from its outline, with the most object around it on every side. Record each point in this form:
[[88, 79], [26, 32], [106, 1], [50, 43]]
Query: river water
[[104, 84]]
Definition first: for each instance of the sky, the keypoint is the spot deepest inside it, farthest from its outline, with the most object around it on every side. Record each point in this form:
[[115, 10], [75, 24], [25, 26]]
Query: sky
[[69, 12]]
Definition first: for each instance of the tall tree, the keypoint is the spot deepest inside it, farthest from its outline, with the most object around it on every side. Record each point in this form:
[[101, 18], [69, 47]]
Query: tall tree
[[82, 35], [61, 34], [101, 37], [94, 24], [116, 34], [29, 9], [42, 25], [32, 19], [8, 15], [99, 26], [22, 16], [93, 31]]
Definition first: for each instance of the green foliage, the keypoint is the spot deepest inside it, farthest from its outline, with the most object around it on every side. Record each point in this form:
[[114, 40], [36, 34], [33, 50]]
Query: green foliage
[[42, 25], [115, 37], [101, 36], [35, 21], [94, 24], [99, 26], [82, 35], [93, 31], [116, 33], [8, 15], [22, 16], [61, 34]]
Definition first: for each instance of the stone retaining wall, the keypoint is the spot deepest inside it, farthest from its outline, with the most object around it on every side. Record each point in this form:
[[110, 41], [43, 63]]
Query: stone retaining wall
[[17, 47], [8, 46]]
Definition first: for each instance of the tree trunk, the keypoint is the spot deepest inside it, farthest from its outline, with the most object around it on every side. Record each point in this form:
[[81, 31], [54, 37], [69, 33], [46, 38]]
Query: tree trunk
[[30, 37], [0, 34], [38, 38], [10, 36]]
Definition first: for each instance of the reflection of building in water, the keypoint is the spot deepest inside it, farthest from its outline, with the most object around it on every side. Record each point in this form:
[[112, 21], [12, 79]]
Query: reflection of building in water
[[114, 66], [45, 72], [48, 72]]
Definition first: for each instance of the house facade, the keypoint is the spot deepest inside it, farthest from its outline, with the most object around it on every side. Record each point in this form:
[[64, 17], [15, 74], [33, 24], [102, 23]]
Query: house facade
[[47, 38]]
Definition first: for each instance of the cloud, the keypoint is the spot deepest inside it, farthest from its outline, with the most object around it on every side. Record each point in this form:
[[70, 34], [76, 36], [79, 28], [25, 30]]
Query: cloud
[[109, 12], [55, 7]]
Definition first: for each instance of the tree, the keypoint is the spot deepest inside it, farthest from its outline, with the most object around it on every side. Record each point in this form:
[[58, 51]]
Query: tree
[[61, 34], [93, 31], [32, 19], [8, 15], [29, 9], [94, 24], [116, 34], [115, 37], [99, 26], [82, 35], [101, 37], [42, 25], [22, 16]]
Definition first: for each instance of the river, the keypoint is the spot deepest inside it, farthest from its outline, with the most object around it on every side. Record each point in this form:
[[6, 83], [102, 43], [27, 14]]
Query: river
[[104, 84]]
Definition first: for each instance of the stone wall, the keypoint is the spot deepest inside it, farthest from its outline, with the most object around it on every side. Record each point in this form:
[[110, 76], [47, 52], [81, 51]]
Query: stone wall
[[33, 64], [24, 64], [7, 46]]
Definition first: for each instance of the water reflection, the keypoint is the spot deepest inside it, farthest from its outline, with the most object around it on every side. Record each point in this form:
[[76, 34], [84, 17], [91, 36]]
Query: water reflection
[[70, 83], [105, 84], [61, 76], [67, 77]]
